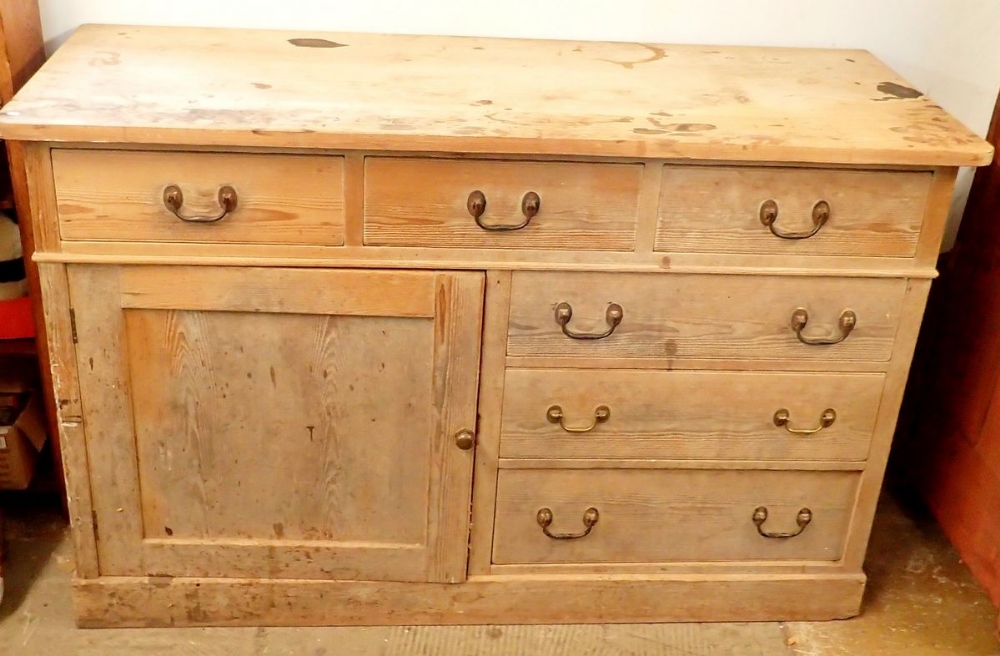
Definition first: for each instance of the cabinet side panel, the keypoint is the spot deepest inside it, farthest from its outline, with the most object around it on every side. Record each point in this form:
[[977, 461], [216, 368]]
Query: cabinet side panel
[[935, 217], [107, 414], [885, 424], [31, 184], [69, 416]]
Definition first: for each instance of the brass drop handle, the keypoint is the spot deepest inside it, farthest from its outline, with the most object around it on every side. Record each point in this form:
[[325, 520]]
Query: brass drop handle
[[802, 520], [613, 316], [847, 323], [173, 199], [782, 418], [476, 204], [555, 415], [465, 439], [544, 519], [769, 214]]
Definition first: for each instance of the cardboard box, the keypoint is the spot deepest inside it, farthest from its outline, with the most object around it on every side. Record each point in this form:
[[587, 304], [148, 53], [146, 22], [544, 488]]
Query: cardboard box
[[14, 386], [22, 436]]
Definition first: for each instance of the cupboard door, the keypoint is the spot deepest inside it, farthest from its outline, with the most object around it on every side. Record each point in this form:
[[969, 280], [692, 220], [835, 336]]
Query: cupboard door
[[279, 423]]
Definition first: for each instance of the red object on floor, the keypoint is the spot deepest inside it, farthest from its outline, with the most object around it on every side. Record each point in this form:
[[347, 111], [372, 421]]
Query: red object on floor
[[955, 386], [16, 319]]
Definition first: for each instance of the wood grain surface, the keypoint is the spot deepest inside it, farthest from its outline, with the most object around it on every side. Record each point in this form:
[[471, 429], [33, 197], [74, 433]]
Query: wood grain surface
[[653, 515], [118, 195], [687, 414], [416, 93], [307, 441], [142, 602], [689, 316], [423, 202], [717, 210]]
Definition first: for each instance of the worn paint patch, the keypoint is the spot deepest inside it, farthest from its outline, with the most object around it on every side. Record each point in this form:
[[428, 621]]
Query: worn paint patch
[[493, 117], [690, 127], [263, 133], [106, 58], [680, 127], [658, 53], [315, 43], [397, 124], [895, 91]]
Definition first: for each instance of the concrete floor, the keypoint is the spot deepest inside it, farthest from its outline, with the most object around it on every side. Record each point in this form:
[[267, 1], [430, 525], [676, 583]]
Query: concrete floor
[[920, 602]]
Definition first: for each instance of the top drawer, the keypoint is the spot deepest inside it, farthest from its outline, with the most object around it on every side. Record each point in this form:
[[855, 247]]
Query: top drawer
[[493, 204], [678, 316], [791, 211], [122, 196]]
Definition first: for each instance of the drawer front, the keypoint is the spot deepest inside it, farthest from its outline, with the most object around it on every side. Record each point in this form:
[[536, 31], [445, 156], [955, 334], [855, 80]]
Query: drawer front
[[702, 316], [719, 210], [566, 413], [426, 202], [120, 196], [650, 516]]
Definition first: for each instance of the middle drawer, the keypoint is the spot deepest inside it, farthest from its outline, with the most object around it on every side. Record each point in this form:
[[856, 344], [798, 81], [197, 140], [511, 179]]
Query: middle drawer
[[673, 315], [705, 415], [442, 203]]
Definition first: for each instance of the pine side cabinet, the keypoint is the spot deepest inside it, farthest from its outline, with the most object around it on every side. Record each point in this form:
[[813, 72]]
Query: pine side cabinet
[[370, 329]]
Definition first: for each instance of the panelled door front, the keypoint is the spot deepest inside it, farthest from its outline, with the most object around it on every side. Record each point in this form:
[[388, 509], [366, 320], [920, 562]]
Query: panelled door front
[[279, 423]]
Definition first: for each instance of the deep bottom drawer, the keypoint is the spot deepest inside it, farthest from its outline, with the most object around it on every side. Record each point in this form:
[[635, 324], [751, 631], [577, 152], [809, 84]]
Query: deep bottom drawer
[[659, 515]]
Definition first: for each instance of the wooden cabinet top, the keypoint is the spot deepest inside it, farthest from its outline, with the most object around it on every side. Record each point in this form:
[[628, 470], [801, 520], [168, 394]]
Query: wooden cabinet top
[[277, 89]]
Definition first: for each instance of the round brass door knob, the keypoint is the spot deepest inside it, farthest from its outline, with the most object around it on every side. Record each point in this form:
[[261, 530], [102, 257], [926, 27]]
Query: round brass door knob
[[464, 439]]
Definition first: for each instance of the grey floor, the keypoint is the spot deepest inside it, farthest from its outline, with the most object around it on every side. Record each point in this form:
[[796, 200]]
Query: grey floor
[[920, 601]]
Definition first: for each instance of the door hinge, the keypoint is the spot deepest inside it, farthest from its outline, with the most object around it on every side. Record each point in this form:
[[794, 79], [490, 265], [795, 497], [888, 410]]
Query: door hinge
[[72, 325]]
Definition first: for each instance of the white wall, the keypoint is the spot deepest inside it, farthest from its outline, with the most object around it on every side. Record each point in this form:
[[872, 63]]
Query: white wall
[[949, 49]]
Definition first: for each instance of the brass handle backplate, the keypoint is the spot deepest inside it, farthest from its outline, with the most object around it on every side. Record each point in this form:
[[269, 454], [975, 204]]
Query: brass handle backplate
[[465, 439], [769, 214], [848, 321], [476, 204], [173, 199], [544, 519], [802, 521], [783, 417], [613, 316], [555, 415]]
